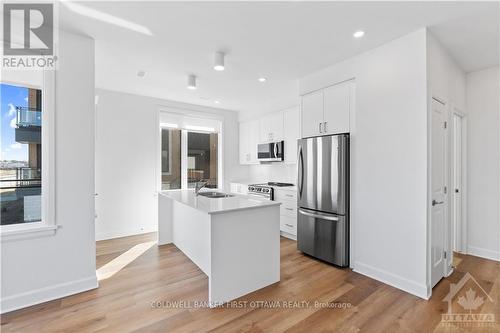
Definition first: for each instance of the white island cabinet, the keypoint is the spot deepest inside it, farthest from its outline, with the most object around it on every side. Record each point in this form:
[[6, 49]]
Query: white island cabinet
[[235, 241]]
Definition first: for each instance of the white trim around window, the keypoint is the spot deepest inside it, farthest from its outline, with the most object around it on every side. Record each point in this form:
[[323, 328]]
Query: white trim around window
[[47, 226]]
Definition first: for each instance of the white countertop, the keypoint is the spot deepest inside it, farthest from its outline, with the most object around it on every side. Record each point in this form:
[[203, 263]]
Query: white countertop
[[217, 205]]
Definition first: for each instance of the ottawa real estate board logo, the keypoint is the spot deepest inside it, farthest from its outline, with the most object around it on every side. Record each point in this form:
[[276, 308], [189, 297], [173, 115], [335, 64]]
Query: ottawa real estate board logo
[[28, 36], [469, 305]]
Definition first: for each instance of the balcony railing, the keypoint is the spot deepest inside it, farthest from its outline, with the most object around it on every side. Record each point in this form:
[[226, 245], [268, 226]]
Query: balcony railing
[[24, 178], [28, 117]]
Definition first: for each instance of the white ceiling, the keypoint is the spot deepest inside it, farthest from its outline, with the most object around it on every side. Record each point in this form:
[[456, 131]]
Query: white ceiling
[[282, 41]]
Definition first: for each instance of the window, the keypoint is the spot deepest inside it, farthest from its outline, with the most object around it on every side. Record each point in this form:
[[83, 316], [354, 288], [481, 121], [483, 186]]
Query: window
[[21, 159], [170, 159], [189, 151], [202, 157]]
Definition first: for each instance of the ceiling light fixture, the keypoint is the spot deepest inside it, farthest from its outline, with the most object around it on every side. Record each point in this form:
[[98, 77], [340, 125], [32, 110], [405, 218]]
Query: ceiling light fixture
[[219, 61], [262, 79], [191, 82], [358, 34]]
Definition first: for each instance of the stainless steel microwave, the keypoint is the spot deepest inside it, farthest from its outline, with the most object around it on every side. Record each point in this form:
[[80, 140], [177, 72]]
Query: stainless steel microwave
[[270, 152]]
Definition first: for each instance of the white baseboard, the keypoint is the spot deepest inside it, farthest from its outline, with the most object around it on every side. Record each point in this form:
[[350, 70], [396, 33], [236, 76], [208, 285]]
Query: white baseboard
[[46, 294], [483, 253], [123, 233], [412, 287]]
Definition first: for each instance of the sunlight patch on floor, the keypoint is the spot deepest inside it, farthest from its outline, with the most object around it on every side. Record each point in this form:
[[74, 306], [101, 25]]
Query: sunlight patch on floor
[[117, 264]]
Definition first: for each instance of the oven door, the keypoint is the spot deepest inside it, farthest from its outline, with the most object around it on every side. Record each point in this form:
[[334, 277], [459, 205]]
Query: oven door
[[270, 152]]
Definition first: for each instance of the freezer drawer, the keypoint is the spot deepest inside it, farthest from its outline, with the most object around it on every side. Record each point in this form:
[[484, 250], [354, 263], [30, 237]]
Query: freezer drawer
[[324, 236]]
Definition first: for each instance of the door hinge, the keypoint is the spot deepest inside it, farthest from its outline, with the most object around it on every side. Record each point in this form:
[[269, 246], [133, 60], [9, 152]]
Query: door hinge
[[445, 254], [445, 124], [445, 190]]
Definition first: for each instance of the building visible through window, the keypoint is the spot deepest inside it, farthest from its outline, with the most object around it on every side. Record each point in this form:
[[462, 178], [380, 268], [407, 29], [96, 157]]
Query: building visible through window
[[196, 152], [202, 158], [21, 154], [170, 159]]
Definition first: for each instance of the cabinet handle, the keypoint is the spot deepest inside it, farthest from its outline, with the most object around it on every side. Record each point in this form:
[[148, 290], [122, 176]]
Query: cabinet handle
[[324, 127], [289, 225], [289, 195], [289, 209], [320, 127]]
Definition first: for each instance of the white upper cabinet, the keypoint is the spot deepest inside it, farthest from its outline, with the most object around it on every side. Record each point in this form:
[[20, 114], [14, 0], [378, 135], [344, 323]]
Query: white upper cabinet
[[277, 126], [271, 127], [327, 111], [336, 101], [249, 138], [312, 113], [291, 127]]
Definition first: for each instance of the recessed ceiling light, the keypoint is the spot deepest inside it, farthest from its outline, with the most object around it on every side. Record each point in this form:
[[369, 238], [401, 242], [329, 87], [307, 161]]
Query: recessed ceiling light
[[191, 82], [219, 61], [141, 73], [262, 79], [358, 34], [216, 102]]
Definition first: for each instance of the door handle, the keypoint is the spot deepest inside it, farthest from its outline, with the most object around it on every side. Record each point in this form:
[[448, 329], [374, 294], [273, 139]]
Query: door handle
[[301, 172], [435, 202], [319, 216]]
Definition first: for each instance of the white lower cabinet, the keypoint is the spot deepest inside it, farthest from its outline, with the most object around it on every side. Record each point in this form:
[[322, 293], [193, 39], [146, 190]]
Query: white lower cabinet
[[288, 226], [288, 211]]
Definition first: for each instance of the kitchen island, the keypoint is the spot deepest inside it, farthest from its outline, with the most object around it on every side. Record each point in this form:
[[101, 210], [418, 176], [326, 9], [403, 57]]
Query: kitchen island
[[234, 240]]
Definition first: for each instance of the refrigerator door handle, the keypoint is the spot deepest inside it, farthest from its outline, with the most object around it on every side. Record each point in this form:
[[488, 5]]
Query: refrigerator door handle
[[319, 215], [301, 171]]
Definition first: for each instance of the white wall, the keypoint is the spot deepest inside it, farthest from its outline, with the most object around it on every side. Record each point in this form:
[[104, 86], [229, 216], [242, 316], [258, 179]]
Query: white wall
[[483, 146], [446, 82], [126, 159], [388, 159], [44, 268]]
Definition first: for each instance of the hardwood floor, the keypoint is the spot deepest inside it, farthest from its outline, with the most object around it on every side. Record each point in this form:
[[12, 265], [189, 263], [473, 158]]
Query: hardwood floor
[[140, 298]]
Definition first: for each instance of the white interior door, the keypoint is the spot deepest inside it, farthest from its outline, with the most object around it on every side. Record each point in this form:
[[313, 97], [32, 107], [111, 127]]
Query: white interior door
[[457, 183], [438, 187]]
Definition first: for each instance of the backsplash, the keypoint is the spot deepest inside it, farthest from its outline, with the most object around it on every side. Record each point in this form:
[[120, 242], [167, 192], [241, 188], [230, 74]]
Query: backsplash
[[277, 172]]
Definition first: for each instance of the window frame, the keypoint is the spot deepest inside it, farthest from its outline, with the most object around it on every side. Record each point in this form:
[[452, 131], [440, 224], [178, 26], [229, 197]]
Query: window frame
[[169, 172], [47, 226], [178, 112]]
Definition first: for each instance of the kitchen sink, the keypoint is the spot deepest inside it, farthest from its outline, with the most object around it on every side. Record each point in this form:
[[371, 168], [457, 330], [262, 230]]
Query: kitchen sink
[[215, 194]]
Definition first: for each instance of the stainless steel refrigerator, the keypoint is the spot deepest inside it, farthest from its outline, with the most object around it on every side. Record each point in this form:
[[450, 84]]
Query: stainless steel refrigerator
[[323, 198]]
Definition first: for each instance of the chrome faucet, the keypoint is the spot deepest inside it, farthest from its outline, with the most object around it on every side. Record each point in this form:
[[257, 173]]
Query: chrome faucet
[[199, 185]]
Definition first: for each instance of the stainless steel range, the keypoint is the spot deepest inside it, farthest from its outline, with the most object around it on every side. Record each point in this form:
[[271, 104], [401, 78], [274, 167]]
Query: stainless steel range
[[261, 190]]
